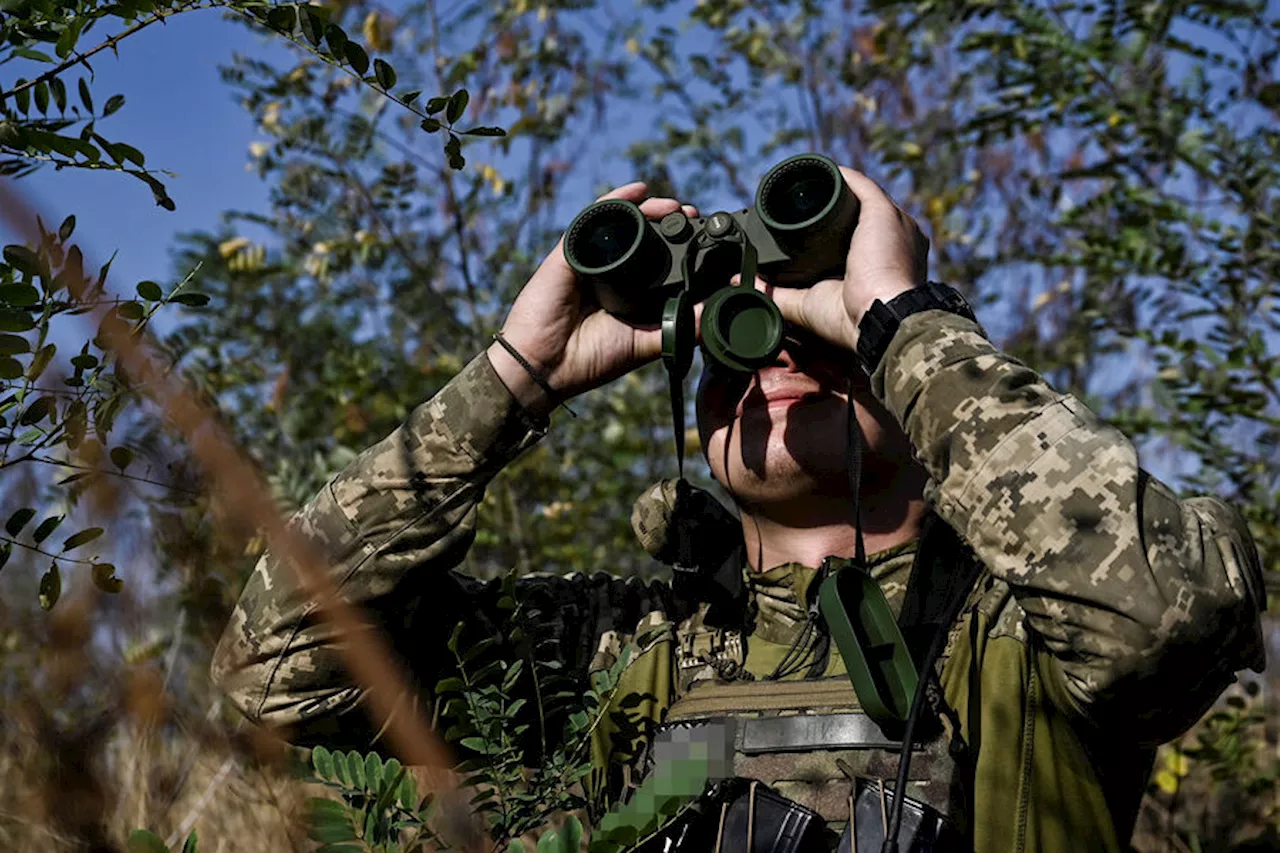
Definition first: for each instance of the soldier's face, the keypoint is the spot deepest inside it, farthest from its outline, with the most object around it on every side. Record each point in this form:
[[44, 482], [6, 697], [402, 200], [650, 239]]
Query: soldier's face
[[782, 432]]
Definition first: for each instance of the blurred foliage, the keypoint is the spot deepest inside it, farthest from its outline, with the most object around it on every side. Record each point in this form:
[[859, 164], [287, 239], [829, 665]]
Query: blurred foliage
[[1101, 178]]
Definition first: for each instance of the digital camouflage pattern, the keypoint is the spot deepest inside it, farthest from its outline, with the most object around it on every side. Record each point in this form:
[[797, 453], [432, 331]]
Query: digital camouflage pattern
[[1109, 617]]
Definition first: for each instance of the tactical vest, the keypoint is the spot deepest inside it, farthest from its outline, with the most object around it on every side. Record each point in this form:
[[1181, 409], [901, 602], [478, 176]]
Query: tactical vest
[[807, 739]]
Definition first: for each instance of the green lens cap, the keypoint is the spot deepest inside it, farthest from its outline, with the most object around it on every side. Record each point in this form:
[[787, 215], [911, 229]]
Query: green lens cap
[[741, 328], [678, 334]]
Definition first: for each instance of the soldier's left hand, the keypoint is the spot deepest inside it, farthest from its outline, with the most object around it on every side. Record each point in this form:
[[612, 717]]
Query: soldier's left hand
[[887, 256]]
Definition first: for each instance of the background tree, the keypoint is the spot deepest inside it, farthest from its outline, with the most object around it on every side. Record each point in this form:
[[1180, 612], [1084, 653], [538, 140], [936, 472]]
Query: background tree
[[1100, 177]]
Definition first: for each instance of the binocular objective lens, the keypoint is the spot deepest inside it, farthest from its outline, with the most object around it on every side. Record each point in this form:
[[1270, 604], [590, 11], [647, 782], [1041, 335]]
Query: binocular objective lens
[[605, 238], [799, 194]]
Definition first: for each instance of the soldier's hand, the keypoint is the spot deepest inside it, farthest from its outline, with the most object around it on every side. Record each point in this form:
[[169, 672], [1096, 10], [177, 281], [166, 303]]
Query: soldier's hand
[[574, 343], [887, 256]]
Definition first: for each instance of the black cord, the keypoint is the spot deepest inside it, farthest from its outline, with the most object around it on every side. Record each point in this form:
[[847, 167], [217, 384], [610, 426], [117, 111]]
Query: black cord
[[917, 703], [534, 372]]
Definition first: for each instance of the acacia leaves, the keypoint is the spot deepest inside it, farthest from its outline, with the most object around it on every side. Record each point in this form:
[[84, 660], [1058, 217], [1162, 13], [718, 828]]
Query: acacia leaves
[[316, 29], [63, 415], [379, 801]]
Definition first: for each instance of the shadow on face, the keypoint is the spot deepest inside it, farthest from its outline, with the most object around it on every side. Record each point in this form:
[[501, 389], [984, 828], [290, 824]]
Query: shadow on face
[[782, 432]]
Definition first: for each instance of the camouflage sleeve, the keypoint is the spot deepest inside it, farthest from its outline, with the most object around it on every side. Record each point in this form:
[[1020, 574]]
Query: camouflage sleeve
[[1141, 606], [402, 512]]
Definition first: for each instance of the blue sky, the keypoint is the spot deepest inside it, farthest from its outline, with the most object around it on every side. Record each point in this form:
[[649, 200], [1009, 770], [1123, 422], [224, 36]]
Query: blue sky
[[185, 119]]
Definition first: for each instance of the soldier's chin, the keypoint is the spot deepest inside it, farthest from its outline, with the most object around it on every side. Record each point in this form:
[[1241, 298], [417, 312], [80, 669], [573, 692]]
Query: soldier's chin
[[763, 475]]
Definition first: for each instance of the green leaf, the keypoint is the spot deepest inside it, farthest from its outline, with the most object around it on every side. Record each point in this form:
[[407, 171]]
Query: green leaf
[[16, 321], [431, 125], [336, 39], [84, 536], [149, 290], [281, 18], [67, 228], [356, 57], [121, 457], [51, 589], [572, 830], [85, 98], [22, 98], [549, 843], [41, 361], [113, 104], [131, 310], [190, 845], [6, 549], [104, 578], [408, 788], [516, 846], [340, 770], [322, 760], [142, 841], [457, 105], [37, 411], [59, 91], [312, 26], [355, 763], [21, 295], [22, 259], [373, 771], [435, 105], [391, 774], [10, 368], [191, 300], [28, 53], [485, 131], [67, 41], [385, 73], [42, 97], [128, 152], [46, 527]]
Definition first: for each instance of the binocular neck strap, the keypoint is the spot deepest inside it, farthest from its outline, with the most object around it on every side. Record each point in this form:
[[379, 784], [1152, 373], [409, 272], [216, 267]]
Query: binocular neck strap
[[853, 464]]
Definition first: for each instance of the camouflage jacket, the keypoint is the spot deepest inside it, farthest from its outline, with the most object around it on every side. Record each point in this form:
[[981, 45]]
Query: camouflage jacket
[[1110, 616]]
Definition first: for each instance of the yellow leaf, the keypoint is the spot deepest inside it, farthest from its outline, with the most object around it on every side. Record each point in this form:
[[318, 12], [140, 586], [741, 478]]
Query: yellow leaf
[[911, 149], [1167, 782], [1177, 763], [1113, 119], [230, 247], [377, 31], [633, 47], [935, 207]]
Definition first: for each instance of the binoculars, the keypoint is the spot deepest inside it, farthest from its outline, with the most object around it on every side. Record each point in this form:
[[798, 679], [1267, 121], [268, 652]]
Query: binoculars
[[796, 233]]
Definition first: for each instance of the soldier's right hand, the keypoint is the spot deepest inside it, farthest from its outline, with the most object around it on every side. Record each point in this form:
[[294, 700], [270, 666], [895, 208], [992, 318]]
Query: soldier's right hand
[[575, 344]]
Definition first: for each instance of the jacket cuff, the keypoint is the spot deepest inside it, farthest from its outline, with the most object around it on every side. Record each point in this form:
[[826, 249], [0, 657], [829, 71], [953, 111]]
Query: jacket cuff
[[477, 414], [924, 345]]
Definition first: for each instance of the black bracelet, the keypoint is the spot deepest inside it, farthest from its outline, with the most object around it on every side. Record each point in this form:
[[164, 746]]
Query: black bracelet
[[537, 377]]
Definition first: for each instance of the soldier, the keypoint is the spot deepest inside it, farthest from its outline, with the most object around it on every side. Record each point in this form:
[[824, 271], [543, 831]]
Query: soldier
[[1099, 615]]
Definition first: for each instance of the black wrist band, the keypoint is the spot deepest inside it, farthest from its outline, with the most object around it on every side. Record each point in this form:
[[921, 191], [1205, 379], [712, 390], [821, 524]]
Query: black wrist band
[[880, 323], [537, 376]]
